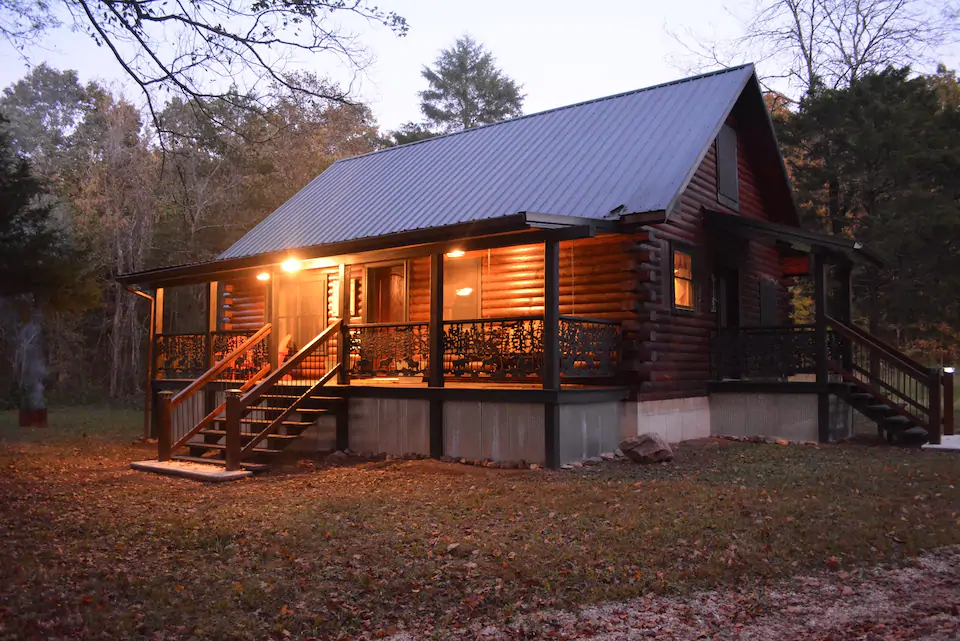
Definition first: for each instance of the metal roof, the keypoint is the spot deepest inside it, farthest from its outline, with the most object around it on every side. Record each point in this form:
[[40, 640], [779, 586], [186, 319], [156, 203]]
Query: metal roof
[[629, 153]]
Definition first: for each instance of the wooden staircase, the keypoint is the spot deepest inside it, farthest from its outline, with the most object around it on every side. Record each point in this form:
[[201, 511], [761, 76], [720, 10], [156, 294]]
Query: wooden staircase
[[891, 389], [259, 419], [209, 444]]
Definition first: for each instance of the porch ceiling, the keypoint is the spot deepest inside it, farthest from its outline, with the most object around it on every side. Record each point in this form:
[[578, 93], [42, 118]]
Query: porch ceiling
[[801, 240]]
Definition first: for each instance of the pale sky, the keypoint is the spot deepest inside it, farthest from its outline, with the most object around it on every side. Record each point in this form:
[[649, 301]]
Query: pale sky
[[561, 51]]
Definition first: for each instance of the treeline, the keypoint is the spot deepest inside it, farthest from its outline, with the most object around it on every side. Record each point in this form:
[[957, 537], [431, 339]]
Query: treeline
[[126, 199], [878, 160]]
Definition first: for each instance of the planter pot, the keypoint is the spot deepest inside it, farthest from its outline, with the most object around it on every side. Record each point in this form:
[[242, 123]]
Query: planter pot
[[33, 418]]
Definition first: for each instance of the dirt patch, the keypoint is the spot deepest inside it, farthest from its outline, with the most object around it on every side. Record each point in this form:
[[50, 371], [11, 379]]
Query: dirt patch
[[921, 601]]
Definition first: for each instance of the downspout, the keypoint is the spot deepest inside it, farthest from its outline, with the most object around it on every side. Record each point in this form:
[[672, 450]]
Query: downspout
[[149, 382]]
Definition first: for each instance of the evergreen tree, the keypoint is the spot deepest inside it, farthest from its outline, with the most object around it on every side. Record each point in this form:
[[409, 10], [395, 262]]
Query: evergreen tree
[[467, 89], [880, 161]]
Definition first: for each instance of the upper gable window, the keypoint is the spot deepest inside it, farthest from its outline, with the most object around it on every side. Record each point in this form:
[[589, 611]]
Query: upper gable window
[[728, 183]]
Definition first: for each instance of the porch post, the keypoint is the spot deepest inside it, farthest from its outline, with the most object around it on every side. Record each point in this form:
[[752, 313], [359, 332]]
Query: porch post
[[164, 435], [822, 353], [270, 316], [343, 356], [936, 406], [551, 315], [435, 373], [551, 350], [845, 309], [156, 359], [343, 340], [232, 429], [213, 314], [948, 413]]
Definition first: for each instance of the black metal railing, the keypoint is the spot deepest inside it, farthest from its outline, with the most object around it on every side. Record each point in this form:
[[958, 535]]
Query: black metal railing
[[389, 350], [589, 347], [187, 356], [181, 355], [495, 348], [763, 352]]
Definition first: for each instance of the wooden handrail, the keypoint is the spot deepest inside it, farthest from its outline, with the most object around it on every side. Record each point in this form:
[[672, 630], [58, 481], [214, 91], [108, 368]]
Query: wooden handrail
[[288, 411], [254, 395], [223, 364], [206, 420], [891, 353]]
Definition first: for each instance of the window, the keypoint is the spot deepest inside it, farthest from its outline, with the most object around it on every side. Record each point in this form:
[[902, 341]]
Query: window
[[684, 290], [728, 186], [386, 294], [461, 288]]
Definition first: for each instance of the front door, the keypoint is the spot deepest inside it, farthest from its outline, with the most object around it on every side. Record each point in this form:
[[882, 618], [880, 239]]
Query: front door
[[726, 295]]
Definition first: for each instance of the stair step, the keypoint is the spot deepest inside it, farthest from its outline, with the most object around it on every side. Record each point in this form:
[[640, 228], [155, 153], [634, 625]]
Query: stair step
[[898, 422], [862, 396], [217, 446], [248, 435], [253, 467], [266, 421], [879, 408]]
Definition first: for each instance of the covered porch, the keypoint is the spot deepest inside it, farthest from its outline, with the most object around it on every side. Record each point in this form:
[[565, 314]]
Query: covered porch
[[501, 327], [844, 367]]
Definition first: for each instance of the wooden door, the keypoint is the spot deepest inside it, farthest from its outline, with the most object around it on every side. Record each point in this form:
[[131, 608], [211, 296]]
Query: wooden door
[[387, 294], [727, 296]]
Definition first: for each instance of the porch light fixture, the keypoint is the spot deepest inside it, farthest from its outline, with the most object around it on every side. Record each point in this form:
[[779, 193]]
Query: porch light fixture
[[949, 370], [290, 265], [263, 276], [456, 253], [464, 291]]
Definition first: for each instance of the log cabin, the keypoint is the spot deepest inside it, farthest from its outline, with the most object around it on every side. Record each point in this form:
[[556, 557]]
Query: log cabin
[[533, 291]]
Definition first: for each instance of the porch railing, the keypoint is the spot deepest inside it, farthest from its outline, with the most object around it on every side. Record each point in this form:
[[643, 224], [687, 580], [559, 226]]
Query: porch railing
[[589, 347], [188, 356], [389, 349], [908, 387], [508, 348], [763, 352]]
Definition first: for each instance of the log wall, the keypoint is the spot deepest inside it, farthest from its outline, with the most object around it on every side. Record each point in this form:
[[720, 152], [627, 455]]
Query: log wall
[[673, 357]]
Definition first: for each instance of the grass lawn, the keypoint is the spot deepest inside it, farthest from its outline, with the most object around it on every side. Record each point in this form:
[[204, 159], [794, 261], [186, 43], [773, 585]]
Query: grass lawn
[[91, 549]]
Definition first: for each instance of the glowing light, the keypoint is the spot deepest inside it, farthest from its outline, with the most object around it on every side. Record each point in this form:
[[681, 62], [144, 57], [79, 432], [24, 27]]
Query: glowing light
[[949, 370], [464, 291], [290, 265], [456, 253], [263, 276]]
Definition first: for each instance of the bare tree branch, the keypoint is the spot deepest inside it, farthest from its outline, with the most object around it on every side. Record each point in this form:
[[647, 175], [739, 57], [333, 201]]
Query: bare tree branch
[[211, 50]]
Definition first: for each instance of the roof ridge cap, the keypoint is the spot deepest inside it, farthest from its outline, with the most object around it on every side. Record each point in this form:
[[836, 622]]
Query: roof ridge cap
[[622, 94]]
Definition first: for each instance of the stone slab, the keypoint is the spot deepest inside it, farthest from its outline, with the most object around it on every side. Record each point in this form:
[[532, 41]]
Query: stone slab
[[193, 471], [949, 443]]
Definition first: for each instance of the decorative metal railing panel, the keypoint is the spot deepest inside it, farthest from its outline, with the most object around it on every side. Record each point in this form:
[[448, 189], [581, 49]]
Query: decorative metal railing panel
[[495, 348], [249, 363], [766, 352], [181, 355], [397, 349], [589, 347], [184, 356]]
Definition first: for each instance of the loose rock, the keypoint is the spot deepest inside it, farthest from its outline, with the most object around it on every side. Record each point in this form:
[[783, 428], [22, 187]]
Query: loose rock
[[647, 448]]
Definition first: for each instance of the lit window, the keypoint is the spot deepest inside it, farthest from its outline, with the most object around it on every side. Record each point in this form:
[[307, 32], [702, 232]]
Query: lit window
[[683, 288]]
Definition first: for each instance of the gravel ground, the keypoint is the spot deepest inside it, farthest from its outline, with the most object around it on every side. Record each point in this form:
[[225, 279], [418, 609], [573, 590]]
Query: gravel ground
[[921, 601]]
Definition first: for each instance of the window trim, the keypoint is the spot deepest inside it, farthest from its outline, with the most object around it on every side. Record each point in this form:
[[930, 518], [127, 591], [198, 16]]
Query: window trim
[[687, 249]]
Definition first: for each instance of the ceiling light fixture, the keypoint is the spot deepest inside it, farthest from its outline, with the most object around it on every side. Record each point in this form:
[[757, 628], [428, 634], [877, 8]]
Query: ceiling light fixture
[[456, 253], [290, 265]]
